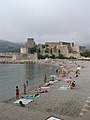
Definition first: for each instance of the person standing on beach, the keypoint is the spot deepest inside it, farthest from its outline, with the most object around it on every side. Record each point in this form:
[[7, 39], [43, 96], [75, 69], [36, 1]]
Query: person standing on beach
[[45, 78], [24, 89], [27, 82], [17, 92]]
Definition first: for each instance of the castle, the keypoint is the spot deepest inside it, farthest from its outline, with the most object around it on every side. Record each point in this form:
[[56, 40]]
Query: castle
[[31, 50]]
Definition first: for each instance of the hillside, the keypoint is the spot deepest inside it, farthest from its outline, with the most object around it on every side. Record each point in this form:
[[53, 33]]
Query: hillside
[[7, 46]]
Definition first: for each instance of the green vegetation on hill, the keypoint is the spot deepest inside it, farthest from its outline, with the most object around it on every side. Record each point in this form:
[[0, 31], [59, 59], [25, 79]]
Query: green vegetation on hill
[[7, 46], [85, 53]]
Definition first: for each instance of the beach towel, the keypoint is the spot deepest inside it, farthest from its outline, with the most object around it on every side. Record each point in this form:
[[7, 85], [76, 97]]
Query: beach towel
[[53, 76], [54, 118], [24, 101], [63, 87], [66, 79], [31, 96], [51, 82], [45, 87], [58, 78]]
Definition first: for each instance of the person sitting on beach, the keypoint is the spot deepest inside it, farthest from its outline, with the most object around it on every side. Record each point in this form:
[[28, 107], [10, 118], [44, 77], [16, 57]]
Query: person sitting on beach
[[63, 74], [46, 84], [69, 80], [76, 73], [21, 104], [72, 85], [39, 90]]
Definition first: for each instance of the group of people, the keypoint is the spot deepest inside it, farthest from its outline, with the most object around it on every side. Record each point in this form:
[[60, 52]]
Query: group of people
[[72, 84], [40, 90], [24, 90], [17, 95]]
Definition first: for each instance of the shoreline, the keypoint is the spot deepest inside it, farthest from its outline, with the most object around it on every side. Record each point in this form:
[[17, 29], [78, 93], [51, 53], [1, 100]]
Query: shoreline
[[31, 61], [67, 103]]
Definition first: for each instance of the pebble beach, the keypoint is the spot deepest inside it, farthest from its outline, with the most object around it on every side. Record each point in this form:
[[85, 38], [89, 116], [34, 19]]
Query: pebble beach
[[64, 102]]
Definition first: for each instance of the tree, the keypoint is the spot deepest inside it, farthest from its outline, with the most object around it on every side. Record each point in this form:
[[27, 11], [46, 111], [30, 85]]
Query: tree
[[46, 56], [32, 50], [40, 56], [53, 56], [61, 56], [85, 53]]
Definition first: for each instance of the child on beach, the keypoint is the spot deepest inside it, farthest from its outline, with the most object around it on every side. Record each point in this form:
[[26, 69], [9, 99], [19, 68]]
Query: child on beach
[[17, 92]]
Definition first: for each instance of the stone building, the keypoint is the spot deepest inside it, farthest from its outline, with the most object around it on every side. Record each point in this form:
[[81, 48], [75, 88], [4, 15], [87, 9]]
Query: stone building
[[28, 52], [29, 44], [31, 51], [65, 48]]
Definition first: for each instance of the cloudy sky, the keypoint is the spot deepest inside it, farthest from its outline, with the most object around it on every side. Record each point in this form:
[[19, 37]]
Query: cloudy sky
[[45, 20]]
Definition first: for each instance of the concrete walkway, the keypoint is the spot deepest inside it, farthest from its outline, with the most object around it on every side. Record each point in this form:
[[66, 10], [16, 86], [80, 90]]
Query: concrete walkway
[[12, 112]]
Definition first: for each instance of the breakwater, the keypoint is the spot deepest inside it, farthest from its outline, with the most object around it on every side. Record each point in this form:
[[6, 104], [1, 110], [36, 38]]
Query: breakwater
[[17, 61]]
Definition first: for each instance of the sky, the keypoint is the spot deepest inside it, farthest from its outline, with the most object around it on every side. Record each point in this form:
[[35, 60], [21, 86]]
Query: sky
[[45, 20]]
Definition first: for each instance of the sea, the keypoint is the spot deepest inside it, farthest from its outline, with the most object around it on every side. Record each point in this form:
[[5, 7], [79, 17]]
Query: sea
[[12, 75]]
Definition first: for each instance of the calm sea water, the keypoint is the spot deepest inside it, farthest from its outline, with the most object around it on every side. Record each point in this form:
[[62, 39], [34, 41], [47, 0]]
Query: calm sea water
[[16, 74]]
